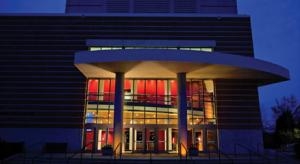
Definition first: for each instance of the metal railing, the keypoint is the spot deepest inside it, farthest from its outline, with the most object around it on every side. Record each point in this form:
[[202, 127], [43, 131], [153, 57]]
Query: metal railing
[[236, 145], [280, 157], [185, 149], [115, 151], [220, 154], [83, 149], [251, 153], [38, 155], [150, 151]]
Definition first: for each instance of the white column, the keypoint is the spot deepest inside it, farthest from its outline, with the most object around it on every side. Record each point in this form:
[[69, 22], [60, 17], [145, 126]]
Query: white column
[[118, 111], [99, 140], [169, 139], [182, 113], [130, 138]]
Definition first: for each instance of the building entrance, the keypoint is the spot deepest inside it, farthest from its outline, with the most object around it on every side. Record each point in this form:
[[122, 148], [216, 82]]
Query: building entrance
[[150, 115], [150, 139]]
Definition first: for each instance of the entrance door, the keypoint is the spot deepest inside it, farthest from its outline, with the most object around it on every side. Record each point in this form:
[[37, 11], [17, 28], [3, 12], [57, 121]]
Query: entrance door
[[105, 136], [199, 138], [128, 139], [139, 140], [196, 138], [151, 140], [147, 140], [162, 140], [89, 139]]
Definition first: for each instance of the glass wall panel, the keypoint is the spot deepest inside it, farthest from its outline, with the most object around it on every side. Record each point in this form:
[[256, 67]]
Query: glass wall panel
[[212, 144], [200, 102], [150, 99], [151, 103]]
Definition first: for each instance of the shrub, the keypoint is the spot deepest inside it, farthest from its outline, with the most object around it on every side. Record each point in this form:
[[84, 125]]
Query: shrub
[[297, 150]]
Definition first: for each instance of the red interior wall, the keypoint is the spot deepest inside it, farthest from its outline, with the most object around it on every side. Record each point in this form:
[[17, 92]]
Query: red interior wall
[[89, 137], [110, 138], [103, 137], [92, 89], [195, 88], [173, 86], [140, 90], [127, 85], [151, 91], [109, 90], [161, 139], [160, 91]]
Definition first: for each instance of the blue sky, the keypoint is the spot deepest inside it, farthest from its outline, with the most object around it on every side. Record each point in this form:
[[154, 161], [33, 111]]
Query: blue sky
[[276, 36]]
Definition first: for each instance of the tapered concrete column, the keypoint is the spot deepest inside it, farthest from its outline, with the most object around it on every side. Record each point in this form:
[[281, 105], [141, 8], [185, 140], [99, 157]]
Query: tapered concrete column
[[182, 113], [118, 111]]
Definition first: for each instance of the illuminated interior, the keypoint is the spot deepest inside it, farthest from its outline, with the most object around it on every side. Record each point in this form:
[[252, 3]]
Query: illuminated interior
[[150, 113], [206, 49]]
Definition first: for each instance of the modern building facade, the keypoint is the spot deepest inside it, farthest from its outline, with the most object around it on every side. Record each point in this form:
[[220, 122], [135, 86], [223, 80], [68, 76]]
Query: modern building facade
[[141, 75]]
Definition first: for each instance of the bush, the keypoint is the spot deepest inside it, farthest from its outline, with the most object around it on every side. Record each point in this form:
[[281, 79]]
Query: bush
[[10, 148], [107, 150], [297, 150]]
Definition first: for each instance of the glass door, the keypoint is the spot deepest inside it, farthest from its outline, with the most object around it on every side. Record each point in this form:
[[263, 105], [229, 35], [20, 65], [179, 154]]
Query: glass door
[[151, 140], [89, 139], [139, 140], [199, 139], [105, 137], [128, 139], [162, 140]]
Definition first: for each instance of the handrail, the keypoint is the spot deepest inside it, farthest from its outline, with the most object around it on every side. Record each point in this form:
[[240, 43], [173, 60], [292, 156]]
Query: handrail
[[81, 150], [282, 156], [31, 146], [225, 155], [150, 152], [250, 151], [244, 147], [185, 149], [115, 151], [9, 158]]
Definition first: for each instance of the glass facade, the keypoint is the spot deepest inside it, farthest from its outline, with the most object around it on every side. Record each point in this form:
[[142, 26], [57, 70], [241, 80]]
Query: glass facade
[[150, 118]]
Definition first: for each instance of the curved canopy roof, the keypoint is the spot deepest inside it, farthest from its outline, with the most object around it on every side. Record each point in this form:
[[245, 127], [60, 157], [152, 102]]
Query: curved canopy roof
[[163, 63]]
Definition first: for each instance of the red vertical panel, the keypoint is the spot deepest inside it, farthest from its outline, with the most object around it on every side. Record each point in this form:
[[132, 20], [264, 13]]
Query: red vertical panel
[[109, 90], [188, 88], [89, 139], [103, 137], [195, 88], [161, 92], [92, 89], [112, 90], [173, 86], [161, 140], [110, 137], [140, 90], [151, 91], [127, 85], [106, 84]]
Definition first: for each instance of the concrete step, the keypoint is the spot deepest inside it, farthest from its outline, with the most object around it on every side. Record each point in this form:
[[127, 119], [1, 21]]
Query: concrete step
[[88, 158]]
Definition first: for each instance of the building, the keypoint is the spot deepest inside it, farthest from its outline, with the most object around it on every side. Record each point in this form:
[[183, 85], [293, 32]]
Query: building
[[141, 75]]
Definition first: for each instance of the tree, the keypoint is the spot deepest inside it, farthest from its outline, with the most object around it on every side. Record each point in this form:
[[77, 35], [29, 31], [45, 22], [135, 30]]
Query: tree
[[285, 112]]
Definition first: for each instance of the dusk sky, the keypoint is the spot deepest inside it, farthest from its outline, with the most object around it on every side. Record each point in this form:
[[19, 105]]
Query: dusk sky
[[276, 37]]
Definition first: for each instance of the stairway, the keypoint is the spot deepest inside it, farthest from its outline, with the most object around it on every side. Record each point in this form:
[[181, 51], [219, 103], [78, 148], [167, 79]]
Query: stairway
[[140, 158]]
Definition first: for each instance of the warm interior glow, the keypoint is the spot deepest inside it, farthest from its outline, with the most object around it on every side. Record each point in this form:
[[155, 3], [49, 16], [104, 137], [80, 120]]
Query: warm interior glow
[[150, 101], [206, 49]]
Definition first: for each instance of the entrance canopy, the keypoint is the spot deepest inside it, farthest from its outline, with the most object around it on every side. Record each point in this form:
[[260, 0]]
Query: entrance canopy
[[165, 63]]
